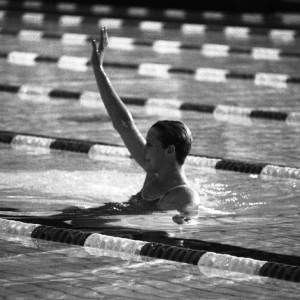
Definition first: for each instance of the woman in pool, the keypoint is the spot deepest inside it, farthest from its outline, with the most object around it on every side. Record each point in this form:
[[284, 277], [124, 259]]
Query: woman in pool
[[161, 154]]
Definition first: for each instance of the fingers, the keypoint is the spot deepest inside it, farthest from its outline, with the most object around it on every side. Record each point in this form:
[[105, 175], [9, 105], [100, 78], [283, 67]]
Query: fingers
[[103, 33], [103, 39], [94, 45]]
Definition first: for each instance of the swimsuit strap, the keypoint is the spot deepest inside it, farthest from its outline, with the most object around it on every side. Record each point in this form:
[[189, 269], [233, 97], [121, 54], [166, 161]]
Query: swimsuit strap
[[159, 198], [175, 187]]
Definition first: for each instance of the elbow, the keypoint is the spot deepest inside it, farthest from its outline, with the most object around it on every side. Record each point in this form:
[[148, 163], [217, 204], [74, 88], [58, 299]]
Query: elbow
[[121, 125]]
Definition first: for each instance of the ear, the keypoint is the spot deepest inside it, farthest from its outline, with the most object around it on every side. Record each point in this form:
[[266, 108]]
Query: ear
[[171, 150]]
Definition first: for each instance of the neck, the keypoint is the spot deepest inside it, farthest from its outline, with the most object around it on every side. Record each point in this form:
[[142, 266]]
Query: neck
[[172, 174]]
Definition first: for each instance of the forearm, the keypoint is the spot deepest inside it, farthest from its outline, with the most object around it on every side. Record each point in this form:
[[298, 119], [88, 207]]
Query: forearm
[[119, 114]]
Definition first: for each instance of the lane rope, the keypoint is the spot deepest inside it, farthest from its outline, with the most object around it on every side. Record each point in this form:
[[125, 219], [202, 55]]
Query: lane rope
[[38, 18], [81, 64], [277, 19], [94, 150], [131, 249], [160, 46], [90, 98]]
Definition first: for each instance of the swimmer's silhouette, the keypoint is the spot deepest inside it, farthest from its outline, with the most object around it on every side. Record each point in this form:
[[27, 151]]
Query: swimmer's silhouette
[[162, 154]]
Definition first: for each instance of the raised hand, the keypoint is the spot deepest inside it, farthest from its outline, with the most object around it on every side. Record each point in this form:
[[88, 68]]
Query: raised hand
[[98, 53]]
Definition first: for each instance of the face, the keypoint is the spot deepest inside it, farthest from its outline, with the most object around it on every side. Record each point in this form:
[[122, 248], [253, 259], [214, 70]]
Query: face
[[154, 151]]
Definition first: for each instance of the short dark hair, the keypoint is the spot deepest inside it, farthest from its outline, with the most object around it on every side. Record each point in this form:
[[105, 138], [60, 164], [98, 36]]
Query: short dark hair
[[177, 134]]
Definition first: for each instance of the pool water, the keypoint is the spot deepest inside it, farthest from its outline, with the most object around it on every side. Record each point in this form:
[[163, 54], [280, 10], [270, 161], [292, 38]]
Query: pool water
[[66, 189]]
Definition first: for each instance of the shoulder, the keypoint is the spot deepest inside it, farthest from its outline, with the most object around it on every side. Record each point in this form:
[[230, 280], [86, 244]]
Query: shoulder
[[185, 192], [184, 199]]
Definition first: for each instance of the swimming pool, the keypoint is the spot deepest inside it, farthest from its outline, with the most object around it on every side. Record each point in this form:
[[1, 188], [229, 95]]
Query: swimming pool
[[67, 189]]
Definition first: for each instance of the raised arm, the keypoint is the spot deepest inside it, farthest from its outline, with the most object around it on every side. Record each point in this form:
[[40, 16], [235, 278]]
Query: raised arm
[[119, 114]]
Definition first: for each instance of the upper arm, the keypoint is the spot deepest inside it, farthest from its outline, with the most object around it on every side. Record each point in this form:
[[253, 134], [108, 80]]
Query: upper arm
[[134, 142]]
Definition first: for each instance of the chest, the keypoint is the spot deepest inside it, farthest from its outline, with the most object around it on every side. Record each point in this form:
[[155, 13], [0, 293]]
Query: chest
[[153, 191]]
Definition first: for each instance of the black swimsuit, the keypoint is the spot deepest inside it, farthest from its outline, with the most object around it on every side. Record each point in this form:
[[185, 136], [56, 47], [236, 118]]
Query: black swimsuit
[[157, 200], [137, 204]]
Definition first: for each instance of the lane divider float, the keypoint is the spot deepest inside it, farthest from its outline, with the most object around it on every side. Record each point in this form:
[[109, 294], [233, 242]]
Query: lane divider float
[[75, 63], [96, 149], [90, 98], [160, 46], [217, 17], [206, 261], [287, 35]]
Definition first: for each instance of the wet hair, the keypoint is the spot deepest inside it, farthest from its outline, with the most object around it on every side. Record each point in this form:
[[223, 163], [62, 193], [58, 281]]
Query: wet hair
[[177, 134]]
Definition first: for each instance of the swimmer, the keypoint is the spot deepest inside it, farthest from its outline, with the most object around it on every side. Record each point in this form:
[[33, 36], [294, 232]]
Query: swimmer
[[161, 154]]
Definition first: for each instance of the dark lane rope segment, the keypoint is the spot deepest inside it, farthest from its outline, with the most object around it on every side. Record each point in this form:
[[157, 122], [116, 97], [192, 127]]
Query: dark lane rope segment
[[238, 75], [61, 235], [72, 146], [58, 93], [6, 137], [204, 108], [280, 116], [3, 55], [280, 271], [237, 166], [138, 101], [10, 88], [173, 253], [293, 80], [183, 71], [119, 65], [46, 59]]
